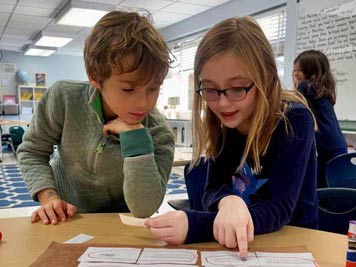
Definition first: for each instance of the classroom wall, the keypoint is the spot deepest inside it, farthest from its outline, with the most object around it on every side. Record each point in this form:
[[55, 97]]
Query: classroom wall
[[56, 67], [235, 8]]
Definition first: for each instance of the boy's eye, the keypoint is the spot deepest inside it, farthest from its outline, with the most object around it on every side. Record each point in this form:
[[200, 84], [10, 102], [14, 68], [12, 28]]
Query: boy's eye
[[127, 90], [154, 89]]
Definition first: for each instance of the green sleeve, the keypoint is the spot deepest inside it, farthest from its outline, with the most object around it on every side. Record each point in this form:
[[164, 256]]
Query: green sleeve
[[136, 142]]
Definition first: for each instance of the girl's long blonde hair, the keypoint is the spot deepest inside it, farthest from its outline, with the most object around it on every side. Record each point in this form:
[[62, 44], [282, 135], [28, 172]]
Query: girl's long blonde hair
[[247, 41]]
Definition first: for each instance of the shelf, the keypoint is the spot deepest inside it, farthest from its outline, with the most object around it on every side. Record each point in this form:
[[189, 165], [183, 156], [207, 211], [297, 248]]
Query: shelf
[[29, 97]]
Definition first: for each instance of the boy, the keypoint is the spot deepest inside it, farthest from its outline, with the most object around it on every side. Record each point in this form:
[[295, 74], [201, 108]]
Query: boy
[[115, 151]]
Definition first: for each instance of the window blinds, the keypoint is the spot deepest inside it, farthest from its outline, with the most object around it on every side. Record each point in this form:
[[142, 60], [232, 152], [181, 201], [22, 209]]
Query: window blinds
[[273, 24]]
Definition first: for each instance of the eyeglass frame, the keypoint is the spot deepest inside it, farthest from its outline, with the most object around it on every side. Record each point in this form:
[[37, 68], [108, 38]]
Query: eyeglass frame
[[223, 91]]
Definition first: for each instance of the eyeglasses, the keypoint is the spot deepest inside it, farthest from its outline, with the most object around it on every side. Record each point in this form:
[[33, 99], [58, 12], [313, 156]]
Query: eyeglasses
[[233, 94]]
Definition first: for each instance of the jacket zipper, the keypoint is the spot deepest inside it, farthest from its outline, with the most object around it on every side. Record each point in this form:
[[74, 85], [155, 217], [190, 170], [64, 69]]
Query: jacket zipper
[[98, 151]]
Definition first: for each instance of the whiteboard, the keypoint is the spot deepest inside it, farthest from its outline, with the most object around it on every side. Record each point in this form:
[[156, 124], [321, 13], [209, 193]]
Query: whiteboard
[[330, 26]]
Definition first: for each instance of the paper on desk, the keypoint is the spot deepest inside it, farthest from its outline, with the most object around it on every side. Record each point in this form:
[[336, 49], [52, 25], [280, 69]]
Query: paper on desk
[[227, 258], [110, 254], [81, 238], [112, 264], [286, 259], [104, 256], [129, 220], [257, 259], [168, 256]]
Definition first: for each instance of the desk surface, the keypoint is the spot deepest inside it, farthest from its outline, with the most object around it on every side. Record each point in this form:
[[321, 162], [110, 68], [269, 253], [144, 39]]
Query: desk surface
[[348, 126], [14, 122], [24, 242]]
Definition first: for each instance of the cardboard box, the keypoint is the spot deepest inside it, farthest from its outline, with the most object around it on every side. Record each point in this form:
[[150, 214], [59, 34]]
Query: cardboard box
[[11, 109]]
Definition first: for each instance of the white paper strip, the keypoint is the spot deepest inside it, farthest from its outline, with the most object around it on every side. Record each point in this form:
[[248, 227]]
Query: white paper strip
[[129, 220], [81, 238]]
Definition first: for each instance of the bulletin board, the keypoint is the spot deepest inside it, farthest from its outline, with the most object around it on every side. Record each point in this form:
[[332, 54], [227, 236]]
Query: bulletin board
[[330, 26]]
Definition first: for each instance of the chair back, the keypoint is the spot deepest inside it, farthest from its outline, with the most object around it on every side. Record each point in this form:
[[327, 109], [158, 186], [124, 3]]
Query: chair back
[[333, 219], [17, 133], [341, 171]]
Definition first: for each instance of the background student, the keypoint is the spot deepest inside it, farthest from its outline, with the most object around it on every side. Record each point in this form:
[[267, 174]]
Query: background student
[[247, 118], [115, 151], [312, 77]]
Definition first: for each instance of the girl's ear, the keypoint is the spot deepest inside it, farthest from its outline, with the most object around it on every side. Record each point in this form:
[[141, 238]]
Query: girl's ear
[[95, 84]]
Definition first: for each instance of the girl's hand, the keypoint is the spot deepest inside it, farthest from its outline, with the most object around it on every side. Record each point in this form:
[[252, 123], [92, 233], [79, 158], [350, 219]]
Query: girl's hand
[[118, 126], [233, 226], [171, 227], [52, 209]]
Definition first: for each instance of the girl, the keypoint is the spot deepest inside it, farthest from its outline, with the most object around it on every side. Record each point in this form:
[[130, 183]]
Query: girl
[[247, 119], [313, 78]]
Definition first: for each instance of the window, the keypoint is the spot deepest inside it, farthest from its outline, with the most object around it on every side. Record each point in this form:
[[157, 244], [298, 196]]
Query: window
[[179, 81], [273, 25]]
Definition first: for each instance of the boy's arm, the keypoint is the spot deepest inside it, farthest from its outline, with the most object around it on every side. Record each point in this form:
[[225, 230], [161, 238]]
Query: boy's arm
[[45, 131], [148, 158]]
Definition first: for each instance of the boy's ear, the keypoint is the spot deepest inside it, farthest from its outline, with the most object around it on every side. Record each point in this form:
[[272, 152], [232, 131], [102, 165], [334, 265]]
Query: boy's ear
[[95, 84]]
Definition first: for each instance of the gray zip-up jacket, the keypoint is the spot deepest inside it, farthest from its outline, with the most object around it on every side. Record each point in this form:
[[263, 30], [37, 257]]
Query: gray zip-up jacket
[[94, 173]]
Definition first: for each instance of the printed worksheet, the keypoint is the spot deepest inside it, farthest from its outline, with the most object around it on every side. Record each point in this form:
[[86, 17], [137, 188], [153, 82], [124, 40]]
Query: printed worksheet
[[115, 264], [267, 259], [122, 255], [161, 255], [257, 259], [227, 258]]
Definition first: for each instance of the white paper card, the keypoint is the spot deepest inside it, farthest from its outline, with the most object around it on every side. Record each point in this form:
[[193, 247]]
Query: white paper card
[[172, 256], [227, 258], [113, 264], [129, 220], [268, 259], [81, 238], [107, 254]]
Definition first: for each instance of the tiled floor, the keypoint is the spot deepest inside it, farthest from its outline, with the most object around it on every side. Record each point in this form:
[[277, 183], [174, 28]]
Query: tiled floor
[[9, 158]]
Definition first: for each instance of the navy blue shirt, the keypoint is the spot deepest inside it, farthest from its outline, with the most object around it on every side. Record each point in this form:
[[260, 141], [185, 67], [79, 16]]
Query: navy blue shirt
[[329, 138], [288, 196], [330, 141]]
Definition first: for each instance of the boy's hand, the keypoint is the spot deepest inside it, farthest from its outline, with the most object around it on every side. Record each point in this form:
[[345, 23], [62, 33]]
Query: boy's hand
[[52, 209], [118, 126], [171, 227], [233, 225]]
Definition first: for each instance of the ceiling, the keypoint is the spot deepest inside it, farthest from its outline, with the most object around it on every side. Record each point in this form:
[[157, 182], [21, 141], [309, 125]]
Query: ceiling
[[22, 20]]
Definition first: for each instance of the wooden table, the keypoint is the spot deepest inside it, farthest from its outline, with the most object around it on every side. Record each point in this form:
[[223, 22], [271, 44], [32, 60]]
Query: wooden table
[[9, 122], [24, 242]]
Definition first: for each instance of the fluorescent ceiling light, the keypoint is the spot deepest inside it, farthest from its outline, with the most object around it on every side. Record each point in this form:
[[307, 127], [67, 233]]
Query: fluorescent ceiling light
[[39, 51], [83, 14], [53, 41]]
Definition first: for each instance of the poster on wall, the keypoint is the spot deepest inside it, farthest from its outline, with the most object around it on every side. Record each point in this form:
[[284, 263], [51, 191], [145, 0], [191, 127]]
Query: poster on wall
[[40, 79], [7, 79], [330, 26]]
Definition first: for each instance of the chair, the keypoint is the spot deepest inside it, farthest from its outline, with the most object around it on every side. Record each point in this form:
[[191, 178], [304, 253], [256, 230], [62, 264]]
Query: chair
[[6, 139], [331, 219], [341, 171], [14, 138], [195, 181], [17, 132]]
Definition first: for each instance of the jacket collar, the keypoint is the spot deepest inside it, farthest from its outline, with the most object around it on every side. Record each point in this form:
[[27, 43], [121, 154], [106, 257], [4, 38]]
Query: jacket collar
[[95, 102]]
